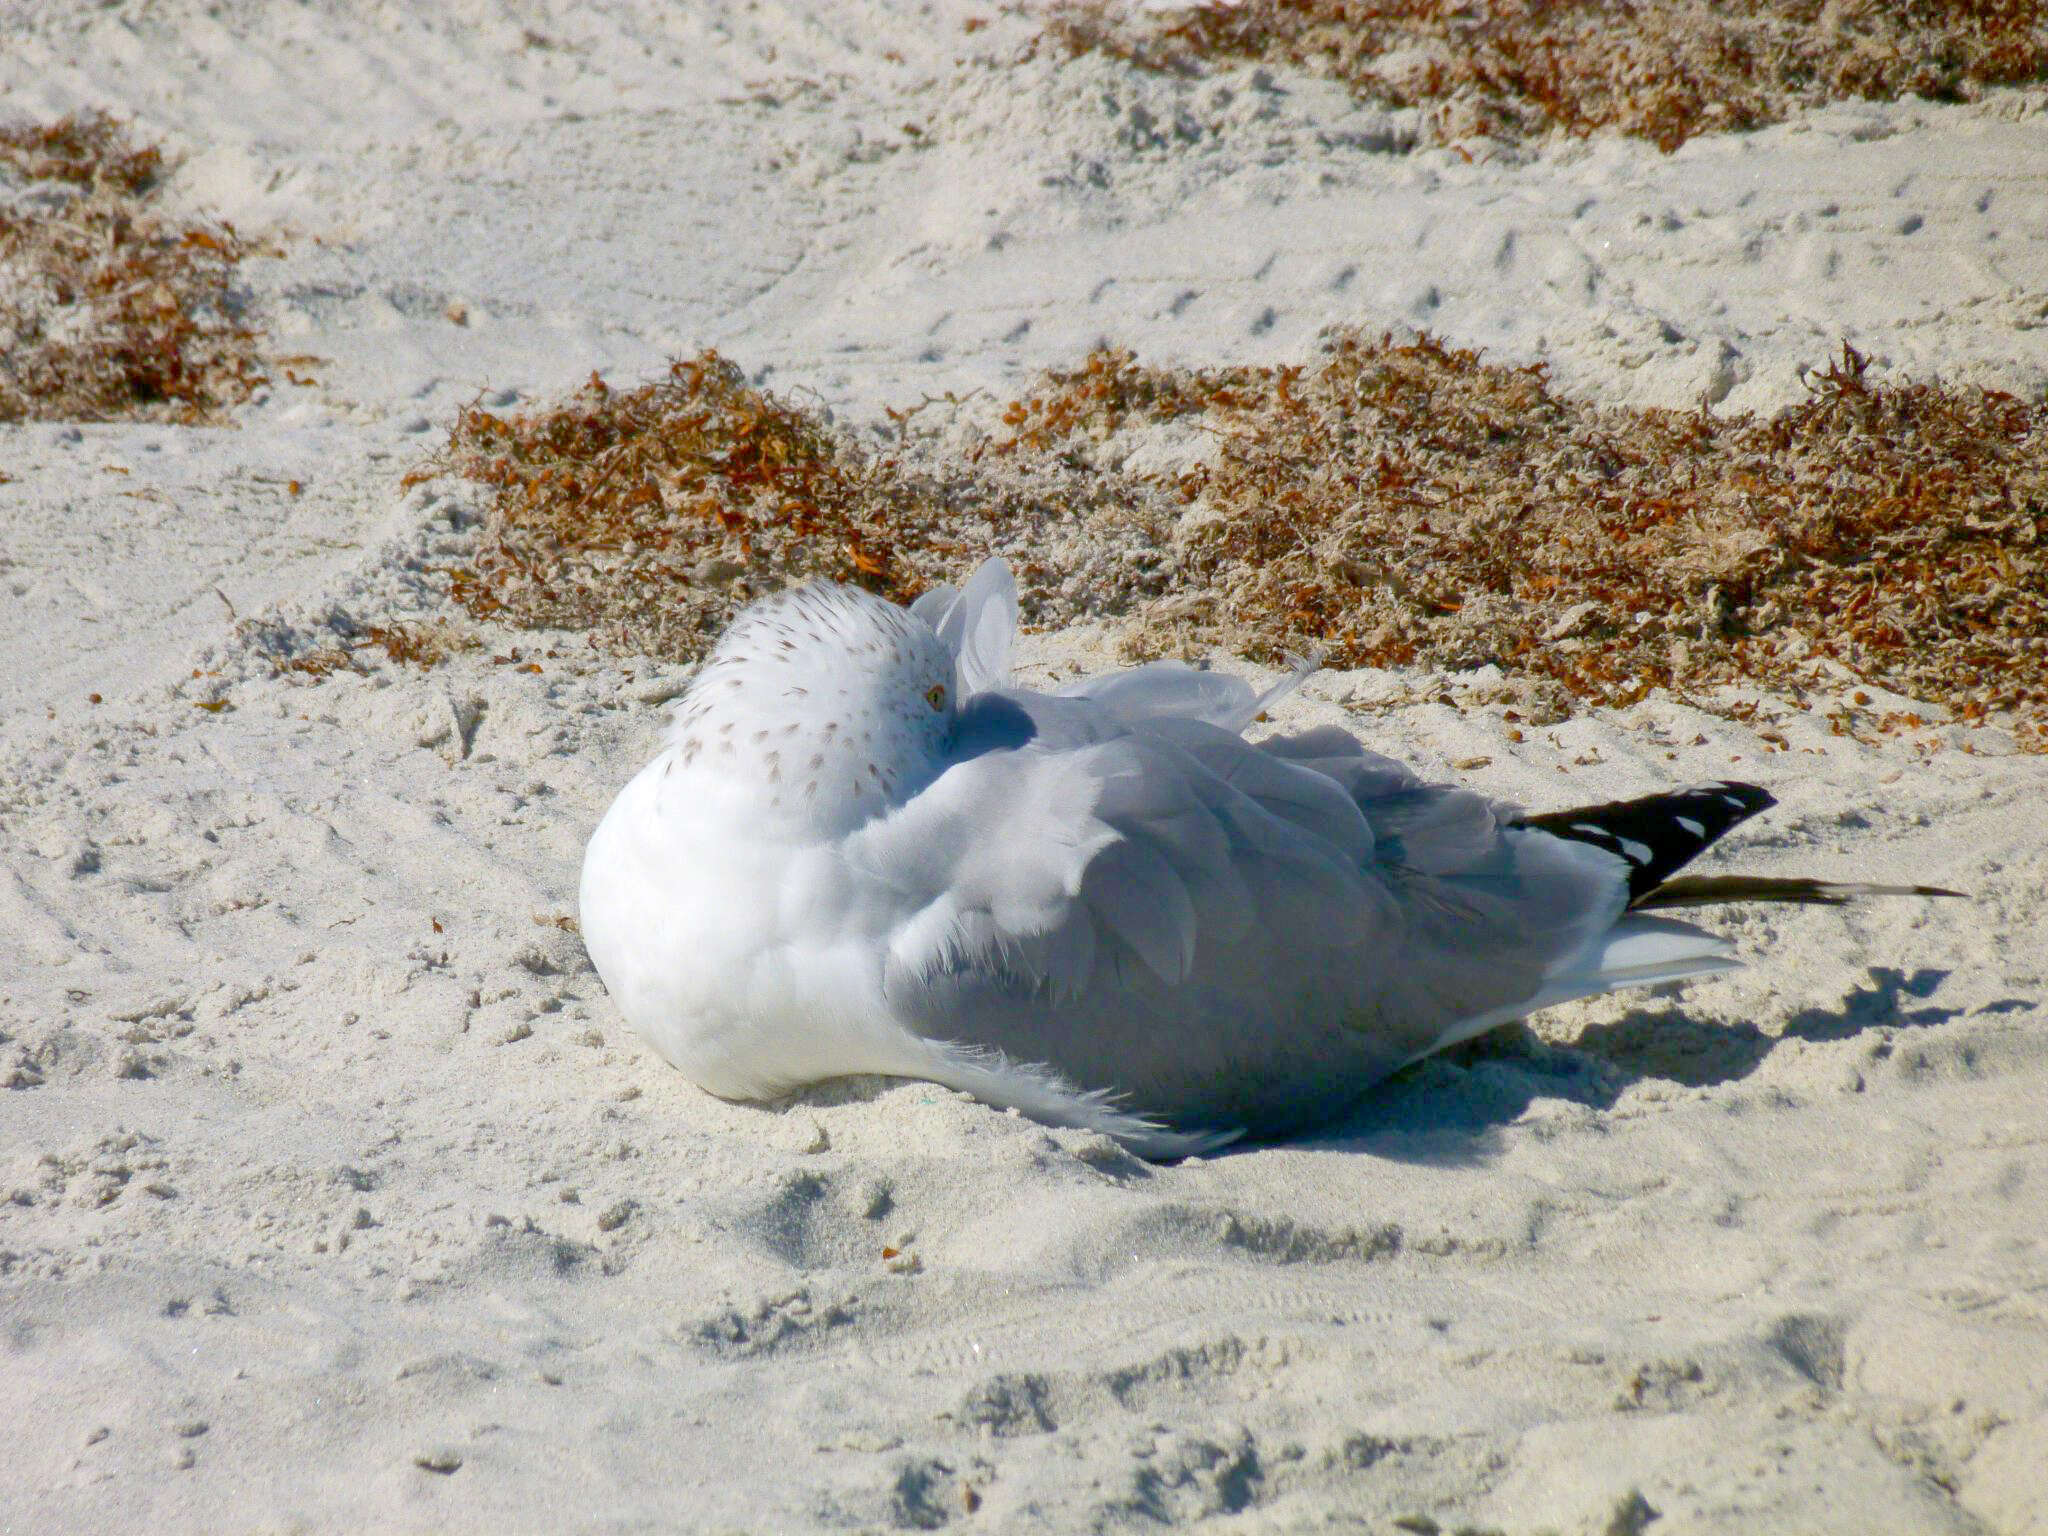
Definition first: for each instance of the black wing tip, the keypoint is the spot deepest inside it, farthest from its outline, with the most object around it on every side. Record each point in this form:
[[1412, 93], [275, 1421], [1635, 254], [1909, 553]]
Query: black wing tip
[[1658, 834], [1743, 800], [1752, 797]]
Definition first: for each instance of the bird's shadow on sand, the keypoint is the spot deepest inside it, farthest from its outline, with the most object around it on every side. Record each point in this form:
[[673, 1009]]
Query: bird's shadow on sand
[[1451, 1109]]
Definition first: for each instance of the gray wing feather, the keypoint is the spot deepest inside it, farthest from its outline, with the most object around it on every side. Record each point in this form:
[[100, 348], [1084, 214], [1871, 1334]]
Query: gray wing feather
[[978, 623], [990, 859], [1339, 756], [1186, 831], [1134, 896], [1165, 688], [1296, 793], [1173, 689], [1231, 934]]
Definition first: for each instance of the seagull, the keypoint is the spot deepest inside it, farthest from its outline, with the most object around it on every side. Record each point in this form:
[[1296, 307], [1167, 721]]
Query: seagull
[[864, 849]]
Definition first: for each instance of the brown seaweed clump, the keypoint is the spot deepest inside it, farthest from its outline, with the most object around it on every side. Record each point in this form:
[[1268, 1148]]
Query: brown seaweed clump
[[646, 517], [111, 308], [1406, 503], [1391, 504], [636, 512], [1662, 70]]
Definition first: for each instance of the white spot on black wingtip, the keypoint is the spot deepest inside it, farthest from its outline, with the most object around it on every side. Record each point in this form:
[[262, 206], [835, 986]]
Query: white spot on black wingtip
[[1636, 853], [1697, 829]]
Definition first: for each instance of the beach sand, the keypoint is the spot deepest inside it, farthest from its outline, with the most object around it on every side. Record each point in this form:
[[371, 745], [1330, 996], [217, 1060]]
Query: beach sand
[[336, 1195]]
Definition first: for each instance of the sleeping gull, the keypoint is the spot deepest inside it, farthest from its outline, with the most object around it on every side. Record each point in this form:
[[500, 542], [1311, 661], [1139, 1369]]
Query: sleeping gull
[[863, 849]]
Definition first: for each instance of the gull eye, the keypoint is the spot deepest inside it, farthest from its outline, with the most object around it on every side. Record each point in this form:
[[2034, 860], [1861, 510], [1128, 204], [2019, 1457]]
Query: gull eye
[[936, 696]]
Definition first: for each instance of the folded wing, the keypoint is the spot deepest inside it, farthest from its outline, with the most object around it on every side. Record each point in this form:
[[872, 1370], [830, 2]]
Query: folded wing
[[1233, 936]]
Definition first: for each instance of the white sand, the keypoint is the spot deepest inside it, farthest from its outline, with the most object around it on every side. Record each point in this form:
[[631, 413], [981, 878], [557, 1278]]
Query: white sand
[[327, 1157]]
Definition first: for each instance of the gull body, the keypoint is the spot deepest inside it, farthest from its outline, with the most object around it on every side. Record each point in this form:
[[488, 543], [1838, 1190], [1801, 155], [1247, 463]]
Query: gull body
[[863, 849]]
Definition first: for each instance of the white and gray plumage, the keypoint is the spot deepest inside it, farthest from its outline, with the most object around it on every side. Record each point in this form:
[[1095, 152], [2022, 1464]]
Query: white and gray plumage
[[863, 850]]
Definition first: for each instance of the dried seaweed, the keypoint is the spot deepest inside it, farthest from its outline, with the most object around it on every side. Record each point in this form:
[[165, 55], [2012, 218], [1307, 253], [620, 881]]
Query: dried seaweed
[[111, 309], [1393, 504], [421, 645], [1406, 503], [1664, 70], [666, 495], [649, 515]]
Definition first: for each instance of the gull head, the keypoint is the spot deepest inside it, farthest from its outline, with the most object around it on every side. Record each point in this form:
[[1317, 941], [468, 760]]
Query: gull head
[[824, 707]]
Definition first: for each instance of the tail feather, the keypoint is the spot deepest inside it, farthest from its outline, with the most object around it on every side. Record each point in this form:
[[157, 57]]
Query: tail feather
[[1713, 890], [1657, 835], [1636, 952], [1643, 951]]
